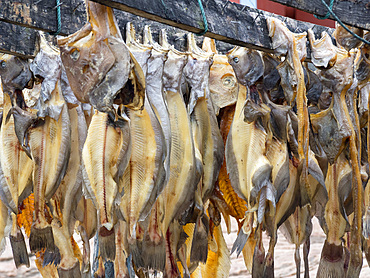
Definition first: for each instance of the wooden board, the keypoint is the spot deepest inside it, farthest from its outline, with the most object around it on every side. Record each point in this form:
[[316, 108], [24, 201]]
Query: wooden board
[[15, 39], [228, 22], [351, 12], [42, 14]]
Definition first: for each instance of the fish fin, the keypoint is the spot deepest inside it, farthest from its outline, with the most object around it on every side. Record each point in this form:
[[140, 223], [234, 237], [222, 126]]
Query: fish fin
[[282, 180], [315, 171], [136, 253], [199, 246], [154, 256], [51, 257], [240, 242], [331, 262], [73, 272], [41, 238], [19, 249], [107, 245]]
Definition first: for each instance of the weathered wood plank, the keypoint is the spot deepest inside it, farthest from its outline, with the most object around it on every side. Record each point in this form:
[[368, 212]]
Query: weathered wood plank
[[42, 15], [228, 22], [352, 12], [15, 39]]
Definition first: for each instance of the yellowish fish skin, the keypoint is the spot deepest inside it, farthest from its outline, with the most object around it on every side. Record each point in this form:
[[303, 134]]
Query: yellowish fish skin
[[16, 165], [4, 222], [101, 162], [218, 262], [48, 137]]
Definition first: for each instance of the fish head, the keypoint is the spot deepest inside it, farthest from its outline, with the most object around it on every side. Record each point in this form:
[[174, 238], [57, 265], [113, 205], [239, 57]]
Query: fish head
[[362, 63], [346, 39], [46, 67], [15, 73], [323, 51], [223, 84], [247, 64], [87, 59]]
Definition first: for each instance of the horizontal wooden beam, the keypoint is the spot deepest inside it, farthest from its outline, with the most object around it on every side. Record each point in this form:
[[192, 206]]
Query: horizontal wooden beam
[[42, 14], [229, 23], [351, 12], [18, 40]]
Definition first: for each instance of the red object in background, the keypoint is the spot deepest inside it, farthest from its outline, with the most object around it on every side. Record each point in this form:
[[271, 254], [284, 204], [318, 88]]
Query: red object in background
[[277, 8], [235, 1]]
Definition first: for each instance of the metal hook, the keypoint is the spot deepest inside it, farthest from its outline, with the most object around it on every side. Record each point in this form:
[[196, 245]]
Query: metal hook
[[37, 2]]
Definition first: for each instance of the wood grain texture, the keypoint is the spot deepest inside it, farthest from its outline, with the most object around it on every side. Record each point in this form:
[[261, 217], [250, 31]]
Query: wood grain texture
[[229, 23], [15, 39], [352, 12], [42, 15]]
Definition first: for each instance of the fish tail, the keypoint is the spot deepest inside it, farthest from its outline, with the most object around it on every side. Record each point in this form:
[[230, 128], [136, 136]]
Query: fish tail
[[73, 272], [331, 262], [51, 257], [137, 258], [19, 249], [154, 256], [199, 247], [41, 238], [107, 244]]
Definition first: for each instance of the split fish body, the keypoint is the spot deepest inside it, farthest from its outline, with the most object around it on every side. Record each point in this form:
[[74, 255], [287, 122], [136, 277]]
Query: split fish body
[[244, 176], [206, 134], [178, 195], [235, 204], [16, 165], [49, 142], [105, 156]]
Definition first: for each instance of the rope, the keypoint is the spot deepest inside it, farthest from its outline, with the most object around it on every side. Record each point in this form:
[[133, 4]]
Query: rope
[[328, 13], [342, 24], [204, 19], [59, 19]]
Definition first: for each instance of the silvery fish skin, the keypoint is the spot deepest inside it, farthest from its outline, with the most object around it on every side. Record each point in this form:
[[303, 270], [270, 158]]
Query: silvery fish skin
[[206, 134], [155, 91], [95, 56]]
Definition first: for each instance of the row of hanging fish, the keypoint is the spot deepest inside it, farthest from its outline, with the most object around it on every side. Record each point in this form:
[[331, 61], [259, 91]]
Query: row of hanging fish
[[147, 148]]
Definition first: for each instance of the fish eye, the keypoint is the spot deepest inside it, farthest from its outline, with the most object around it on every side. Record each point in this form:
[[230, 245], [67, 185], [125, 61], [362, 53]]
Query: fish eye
[[75, 54], [236, 60], [228, 81], [3, 64]]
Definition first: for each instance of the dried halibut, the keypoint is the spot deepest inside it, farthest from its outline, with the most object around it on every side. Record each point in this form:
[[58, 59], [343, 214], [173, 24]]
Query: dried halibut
[[103, 166], [16, 179], [178, 195], [99, 66], [206, 134], [346, 39]]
